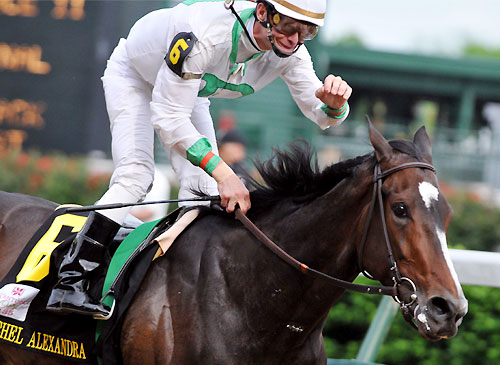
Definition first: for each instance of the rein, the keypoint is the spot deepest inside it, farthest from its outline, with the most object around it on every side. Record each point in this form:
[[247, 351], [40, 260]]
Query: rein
[[304, 269], [367, 289]]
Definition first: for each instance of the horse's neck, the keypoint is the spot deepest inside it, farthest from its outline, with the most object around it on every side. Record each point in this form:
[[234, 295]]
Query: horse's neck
[[323, 233], [320, 234]]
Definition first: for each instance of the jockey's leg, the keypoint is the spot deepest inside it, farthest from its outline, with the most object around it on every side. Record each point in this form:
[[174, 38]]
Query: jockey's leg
[[132, 145], [86, 262], [80, 264]]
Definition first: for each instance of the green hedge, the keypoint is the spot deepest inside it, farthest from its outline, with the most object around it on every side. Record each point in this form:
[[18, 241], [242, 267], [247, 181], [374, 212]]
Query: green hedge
[[62, 179], [477, 339], [475, 225]]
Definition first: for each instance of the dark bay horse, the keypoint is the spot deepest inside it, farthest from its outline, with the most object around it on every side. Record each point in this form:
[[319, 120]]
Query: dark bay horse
[[218, 296]]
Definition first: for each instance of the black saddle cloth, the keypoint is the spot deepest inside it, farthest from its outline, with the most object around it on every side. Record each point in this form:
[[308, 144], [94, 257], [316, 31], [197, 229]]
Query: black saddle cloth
[[24, 321]]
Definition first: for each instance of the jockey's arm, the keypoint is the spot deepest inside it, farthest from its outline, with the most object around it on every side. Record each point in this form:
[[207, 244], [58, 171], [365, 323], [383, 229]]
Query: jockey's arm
[[323, 103], [173, 100]]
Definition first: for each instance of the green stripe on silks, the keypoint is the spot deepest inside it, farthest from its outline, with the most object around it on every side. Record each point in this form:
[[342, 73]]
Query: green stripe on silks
[[236, 33], [126, 248], [213, 83]]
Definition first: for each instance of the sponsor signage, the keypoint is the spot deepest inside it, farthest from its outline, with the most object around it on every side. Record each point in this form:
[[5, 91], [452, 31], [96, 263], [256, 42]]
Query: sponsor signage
[[48, 73]]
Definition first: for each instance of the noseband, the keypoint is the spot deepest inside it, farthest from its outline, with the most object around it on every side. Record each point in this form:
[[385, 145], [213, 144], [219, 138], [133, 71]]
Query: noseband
[[397, 278]]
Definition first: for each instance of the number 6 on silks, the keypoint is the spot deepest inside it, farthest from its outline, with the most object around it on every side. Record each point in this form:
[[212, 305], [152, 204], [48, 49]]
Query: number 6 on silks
[[180, 47]]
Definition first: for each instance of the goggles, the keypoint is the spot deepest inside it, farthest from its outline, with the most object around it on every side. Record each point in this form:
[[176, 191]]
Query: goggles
[[289, 26]]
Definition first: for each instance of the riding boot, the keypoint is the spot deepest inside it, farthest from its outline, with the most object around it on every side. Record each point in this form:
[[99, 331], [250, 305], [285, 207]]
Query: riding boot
[[82, 266]]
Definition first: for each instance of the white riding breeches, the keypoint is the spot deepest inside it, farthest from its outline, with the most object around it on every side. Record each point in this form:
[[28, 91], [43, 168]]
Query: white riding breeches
[[128, 99]]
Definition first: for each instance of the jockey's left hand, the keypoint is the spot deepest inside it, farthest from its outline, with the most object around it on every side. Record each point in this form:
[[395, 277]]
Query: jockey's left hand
[[334, 92], [232, 191]]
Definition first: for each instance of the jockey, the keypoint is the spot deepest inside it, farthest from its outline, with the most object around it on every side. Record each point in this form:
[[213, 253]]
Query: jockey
[[160, 78]]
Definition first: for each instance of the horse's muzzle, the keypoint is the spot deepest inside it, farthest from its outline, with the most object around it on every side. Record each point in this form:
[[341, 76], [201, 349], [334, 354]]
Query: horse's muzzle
[[440, 316]]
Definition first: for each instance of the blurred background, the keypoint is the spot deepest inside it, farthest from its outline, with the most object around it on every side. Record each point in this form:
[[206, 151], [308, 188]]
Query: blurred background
[[410, 64]]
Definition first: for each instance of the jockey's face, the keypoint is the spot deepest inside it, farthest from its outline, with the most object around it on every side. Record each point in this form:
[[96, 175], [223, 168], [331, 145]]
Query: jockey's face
[[288, 26], [287, 32]]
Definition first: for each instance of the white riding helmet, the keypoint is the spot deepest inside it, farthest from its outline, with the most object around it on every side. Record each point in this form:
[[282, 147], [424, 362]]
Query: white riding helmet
[[312, 11]]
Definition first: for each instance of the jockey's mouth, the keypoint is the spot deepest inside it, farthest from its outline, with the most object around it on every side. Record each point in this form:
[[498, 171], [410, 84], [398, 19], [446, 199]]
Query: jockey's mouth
[[286, 44]]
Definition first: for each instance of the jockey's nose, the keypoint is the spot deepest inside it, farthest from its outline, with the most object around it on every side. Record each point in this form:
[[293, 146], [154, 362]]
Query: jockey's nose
[[294, 37]]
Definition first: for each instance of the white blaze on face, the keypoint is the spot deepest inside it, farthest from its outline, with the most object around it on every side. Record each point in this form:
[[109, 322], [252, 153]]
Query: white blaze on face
[[428, 192], [444, 247]]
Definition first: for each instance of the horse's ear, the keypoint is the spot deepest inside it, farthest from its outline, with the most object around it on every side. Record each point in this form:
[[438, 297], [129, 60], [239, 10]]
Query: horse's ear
[[382, 148], [422, 141]]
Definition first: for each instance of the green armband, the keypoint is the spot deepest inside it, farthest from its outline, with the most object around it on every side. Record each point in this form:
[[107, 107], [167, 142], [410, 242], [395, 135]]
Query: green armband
[[200, 154], [335, 113]]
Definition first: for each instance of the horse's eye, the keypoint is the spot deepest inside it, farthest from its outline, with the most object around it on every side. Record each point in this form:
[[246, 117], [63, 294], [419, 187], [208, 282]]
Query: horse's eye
[[400, 210]]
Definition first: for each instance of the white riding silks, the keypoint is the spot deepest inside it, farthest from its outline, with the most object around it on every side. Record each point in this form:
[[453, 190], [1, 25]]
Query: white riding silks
[[212, 25], [169, 103]]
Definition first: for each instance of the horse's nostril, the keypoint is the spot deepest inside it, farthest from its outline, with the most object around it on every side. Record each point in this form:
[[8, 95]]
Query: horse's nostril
[[440, 305]]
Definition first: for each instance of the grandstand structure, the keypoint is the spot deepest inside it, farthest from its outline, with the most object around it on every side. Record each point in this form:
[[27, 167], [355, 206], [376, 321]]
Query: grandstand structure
[[57, 103], [456, 99]]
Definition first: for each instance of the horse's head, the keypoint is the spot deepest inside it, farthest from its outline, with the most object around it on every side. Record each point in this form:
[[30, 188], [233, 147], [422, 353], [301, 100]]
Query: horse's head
[[416, 218]]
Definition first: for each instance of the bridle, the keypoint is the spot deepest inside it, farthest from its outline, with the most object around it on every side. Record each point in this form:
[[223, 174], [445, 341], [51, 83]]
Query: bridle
[[397, 278]]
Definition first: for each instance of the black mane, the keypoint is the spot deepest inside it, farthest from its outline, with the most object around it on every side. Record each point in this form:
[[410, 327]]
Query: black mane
[[294, 173]]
